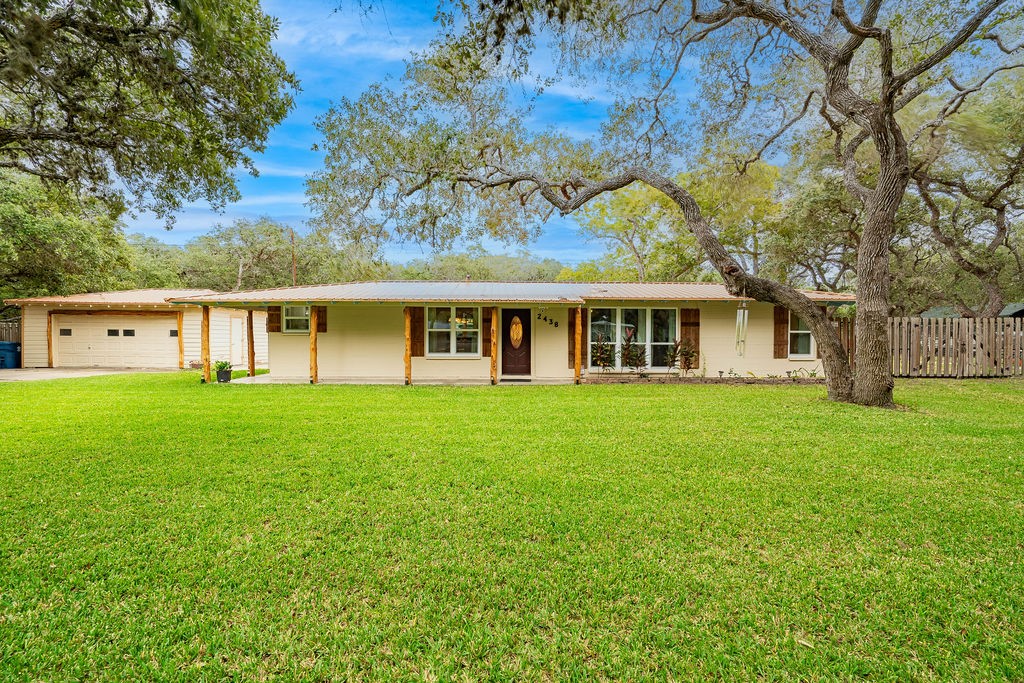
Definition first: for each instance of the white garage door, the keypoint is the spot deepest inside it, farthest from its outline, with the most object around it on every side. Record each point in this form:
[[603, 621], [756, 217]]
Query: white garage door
[[116, 341]]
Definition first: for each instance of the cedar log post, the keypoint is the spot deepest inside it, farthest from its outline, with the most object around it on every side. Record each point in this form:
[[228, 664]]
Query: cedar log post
[[494, 345], [204, 338], [578, 355], [314, 368], [408, 345], [251, 343], [181, 340]]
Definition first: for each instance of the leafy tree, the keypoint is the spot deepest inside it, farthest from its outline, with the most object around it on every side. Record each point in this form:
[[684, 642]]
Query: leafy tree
[[969, 174], [630, 223], [52, 246], [448, 154], [246, 254], [154, 264], [478, 264], [610, 268], [739, 207], [162, 98]]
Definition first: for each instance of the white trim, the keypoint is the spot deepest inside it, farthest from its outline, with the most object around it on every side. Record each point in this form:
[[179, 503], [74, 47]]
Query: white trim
[[285, 317], [453, 354], [813, 355], [648, 343]]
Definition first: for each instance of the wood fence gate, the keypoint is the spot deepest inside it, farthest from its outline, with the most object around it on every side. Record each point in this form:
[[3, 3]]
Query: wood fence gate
[[957, 347], [10, 330]]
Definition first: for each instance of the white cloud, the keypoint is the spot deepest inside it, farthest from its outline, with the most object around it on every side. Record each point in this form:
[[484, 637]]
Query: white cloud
[[327, 35], [269, 169], [272, 199]]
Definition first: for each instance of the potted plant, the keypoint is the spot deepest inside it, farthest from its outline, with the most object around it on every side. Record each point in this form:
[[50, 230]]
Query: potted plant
[[223, 369]]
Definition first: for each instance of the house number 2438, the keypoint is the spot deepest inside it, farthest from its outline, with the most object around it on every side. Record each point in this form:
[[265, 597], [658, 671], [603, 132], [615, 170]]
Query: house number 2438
[[549, 321]]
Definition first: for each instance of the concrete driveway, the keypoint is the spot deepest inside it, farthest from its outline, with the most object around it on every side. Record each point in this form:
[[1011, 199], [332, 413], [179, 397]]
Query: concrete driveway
[[31, 374]]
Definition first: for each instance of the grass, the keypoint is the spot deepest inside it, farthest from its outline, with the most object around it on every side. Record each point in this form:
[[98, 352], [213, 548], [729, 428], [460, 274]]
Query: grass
[[156, 528]]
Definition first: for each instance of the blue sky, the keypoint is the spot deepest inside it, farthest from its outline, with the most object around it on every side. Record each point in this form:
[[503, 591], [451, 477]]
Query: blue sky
[[339, 52]]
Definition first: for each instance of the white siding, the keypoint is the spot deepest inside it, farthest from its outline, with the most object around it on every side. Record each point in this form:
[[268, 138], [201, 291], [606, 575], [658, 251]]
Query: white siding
[[191, 325], [551, 344], [34, 352], [366, 342], [718, 339], [33, 348]]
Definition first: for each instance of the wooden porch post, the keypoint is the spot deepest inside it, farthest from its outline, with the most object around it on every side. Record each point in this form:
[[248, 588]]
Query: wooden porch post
[[314, 368], [251, 343], [49, 338], [181, 340], [494, 345], [408, 345], [204, 338], [577, 360]]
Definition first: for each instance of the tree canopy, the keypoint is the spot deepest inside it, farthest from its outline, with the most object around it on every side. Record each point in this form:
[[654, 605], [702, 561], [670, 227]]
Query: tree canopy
[[49, 245], [159, 100]]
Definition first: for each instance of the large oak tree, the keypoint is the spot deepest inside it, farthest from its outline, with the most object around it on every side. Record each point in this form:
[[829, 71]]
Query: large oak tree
[[159, 100], [447, 154]]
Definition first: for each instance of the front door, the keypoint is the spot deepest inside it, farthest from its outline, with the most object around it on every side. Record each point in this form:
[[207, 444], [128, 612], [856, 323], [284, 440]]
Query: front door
[[515, 341]]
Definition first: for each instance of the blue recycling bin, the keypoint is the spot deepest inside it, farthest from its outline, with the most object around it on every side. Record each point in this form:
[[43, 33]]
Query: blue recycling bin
[[10, 355]]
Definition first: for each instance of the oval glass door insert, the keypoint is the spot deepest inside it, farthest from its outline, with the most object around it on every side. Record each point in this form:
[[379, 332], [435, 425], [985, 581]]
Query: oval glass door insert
[[515, 332]]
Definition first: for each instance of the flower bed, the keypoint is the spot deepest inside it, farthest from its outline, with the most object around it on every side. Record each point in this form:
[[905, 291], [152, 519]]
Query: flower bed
[[651, 378]]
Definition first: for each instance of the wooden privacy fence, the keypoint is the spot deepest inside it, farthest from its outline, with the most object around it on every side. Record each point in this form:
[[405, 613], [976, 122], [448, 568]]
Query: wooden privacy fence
[[10, 330], [957, 347]]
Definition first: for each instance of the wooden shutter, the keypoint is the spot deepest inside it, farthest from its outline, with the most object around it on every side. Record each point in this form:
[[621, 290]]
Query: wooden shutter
[[781, 332], [584, 336], [273, 319], [486, 333], [689, 328], [321, 319], [416, 322], [572, 337]]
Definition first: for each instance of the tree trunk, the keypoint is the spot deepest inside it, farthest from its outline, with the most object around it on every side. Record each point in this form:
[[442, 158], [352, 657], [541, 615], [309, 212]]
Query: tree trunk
[[873, 381]]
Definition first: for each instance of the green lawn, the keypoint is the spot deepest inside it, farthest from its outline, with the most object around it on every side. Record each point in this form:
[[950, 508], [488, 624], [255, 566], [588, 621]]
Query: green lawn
[[156, 528]]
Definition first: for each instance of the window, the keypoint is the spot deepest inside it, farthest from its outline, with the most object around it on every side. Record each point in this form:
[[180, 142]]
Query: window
[[113, 333], [127, 333], [453, 331], [801, 342], [65, 332], [295, 319], [174, 333], [654, 329], [663, 335]]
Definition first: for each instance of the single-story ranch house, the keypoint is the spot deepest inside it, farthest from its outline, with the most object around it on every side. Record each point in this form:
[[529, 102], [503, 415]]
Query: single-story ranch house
[[134, 329], [479, 332]]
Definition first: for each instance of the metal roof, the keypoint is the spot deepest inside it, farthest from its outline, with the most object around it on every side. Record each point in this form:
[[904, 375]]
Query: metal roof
[[1012, 310], [129, 297], [415, 291], [1008, 311]]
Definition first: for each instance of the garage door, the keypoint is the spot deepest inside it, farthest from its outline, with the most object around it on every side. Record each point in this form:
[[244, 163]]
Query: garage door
[[116, 341]]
